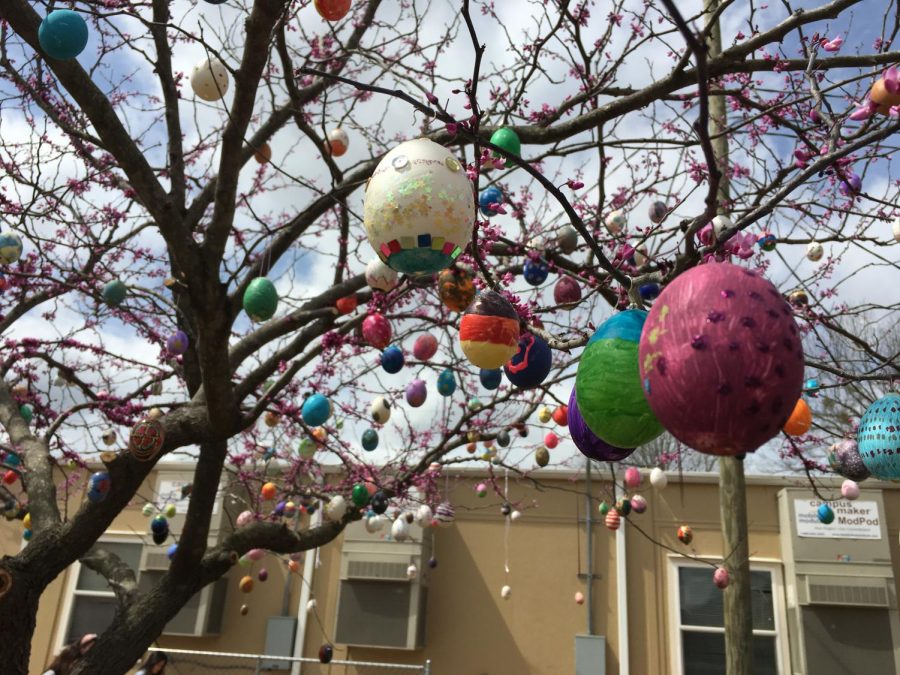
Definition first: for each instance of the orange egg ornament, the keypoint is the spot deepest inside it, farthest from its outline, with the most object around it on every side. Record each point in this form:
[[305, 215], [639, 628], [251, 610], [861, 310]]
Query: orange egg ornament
[[246, 584], [800, 420], [332, 10], [268, 491], [882, 95], [456, 288], [263, 153]]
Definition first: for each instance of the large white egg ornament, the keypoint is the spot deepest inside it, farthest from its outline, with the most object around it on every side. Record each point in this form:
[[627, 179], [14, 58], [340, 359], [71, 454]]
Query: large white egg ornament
[[210, 79], [815, 251], [380, 277], [419, 208]]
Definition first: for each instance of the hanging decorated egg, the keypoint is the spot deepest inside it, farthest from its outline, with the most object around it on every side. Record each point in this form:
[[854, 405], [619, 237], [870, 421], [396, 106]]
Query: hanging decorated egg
[[456, 288], [551, 440], [613, 520], [767, 241], [263, 154], [392, 359], [419, 208], [416, 392], [474, 404], [825, 514], [114, 293], [844, 459], [10, 247], [481, 490], [347, 304], [336, 508], [379, 503], [360, 495], [332, 10], [503, 439], [177, 343], [425, 347], [170, 510], [98, 486], [380, 410], [489, 331], [567, 239], [623, 506], [884, 92], [721, 342], [638, 504], [316, 410], [444, 514], [561, 415], [209, 79], [811, 387], [159, 525], [587, 441], [721, 578], [146, 439], [268, 491], [63, 34], [244, 518], [657, 212], [567, 291], [615, 222], [489, 197], [260, 299], [400, 530], [306, 448], [446, 383], [506, 592], [263, 574], [10, 477], [271, 419], [380, 277], [814, 251], [369, 440], [850, 490], [412, 572], [424, 516], [508, 140], [147, 510], [246, 584], [798, 298], [800, 420], [531, 364], [338, 141], [632, 477], [26, 411], [376, 330], [878, 437], [608, 384], [685, 534], [721, 224], [579, 598], [542, 456], [490, 377], [544, 414], [535, 271]]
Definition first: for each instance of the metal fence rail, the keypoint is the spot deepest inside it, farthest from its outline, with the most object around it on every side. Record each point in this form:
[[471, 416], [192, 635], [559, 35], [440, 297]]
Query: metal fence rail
[[190, 662]]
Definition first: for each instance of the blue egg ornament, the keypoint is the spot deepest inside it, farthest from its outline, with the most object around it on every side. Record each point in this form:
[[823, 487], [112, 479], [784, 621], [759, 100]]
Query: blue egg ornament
[[10, 248], [446, 383], [98, 486], [825, 514], [392, 359], [316, 410], [170, 552], [490, 377], [488, 197], [878, 438], [535, 272], [114, 293], [531, 364], [369, 440], [63, 34]]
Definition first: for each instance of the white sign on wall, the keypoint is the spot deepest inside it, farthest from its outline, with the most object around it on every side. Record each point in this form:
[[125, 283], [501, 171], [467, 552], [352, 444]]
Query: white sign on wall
[[852, 520]]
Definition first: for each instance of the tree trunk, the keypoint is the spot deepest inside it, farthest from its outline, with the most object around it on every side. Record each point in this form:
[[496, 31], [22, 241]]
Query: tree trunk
[[738, 609], [18, 616]]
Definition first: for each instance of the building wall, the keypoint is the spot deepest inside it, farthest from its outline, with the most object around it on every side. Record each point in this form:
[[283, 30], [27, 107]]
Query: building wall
[[470, 630]]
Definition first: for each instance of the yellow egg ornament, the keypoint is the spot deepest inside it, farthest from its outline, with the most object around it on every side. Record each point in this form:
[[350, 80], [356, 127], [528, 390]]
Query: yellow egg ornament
[[544, 414]]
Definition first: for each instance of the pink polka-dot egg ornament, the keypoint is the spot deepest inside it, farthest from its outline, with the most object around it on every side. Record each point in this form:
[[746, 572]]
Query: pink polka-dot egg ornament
[[376, 330], [720, 359]]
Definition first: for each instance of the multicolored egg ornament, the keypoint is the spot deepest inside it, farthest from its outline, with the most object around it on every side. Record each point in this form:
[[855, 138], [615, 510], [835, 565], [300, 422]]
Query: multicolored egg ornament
[[456, 288], [721, 342], [338, 141], [613, 520], [376, 330], [608, 384], [425, 347], [615, 222], [542, 456], [825, 514], [260, 299], [209, 79], [369, 440], [878, 437], [850, 490], [380, 277], [845, 460], [11, 244], [685, 534], [146, 439], [481, 490], [814, 251], [535, 271], [444, 514], [800, 420], [63, 34], [380, 410], [488, 198], [416, 393], [419, 208], [489, 331], [332, 10], [316, 410], [657, 212], [446, 383], [638, 504], [767, 241], [114, 293], [508, 140], [490, 377], [811, 387], [567, 291], [177, 343], [531, 364], [587, 441], [98, 486], [392, 359], [721, 578]]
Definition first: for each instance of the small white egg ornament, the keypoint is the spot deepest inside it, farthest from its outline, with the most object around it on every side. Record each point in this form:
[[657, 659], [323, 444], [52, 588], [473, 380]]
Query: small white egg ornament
[[615, 221], [505, 592], [400, 530], [658, 478], [412, 572], [380, 410], [209, 80], [380, 277], [720, 224], [336, 508], [815, 251]]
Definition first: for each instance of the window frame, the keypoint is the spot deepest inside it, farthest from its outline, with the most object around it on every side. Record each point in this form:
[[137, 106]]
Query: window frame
[[773, 567], [70, 586]]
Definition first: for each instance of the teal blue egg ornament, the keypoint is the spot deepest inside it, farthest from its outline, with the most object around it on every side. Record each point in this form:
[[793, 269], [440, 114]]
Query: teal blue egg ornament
[[608, 384], [825, 514], [369, 440], [316, 410], [63, 34], [114, 293], [27, 412], [446, 383], [878, 438], [490, 377], [10, 248], [260, 299]]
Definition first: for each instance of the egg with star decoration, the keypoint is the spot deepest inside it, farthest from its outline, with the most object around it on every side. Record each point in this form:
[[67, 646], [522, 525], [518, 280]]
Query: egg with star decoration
[[419, 208], [456, 288], [531, 364], [721, 342], [535, 271], [489, 331], [878, 438], [608, 384]]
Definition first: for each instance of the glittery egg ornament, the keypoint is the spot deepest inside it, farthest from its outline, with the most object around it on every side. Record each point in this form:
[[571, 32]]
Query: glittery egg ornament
[[332, 10], [419, 208], [10, 248], [535, 272], [114, 293], [531, 364], [425, 347], [338, 141], [878, 437], [380, 277], [567, 291], [376, 330], [316, 410], [392, 360], [800, 420], [63, 34], [487, 199], [260, 299], [844, 459], [721, 342], [586, 440], [608, 385], [456, 288], [490, 377], [489, 331], [209, 79], [446, 383], [416, 392], [177, 343]]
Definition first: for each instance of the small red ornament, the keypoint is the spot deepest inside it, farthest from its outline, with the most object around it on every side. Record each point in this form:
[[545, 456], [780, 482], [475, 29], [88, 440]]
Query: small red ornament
[[146, 440], [685, 534], [721, 578], [561, 415], [346, 305], [332, 10], [551, 440], [613, 521], [10, 477]]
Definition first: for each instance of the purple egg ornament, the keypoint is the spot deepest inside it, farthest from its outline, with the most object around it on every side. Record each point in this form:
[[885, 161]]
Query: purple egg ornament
[[587, 441], [567, 291], [177, 343], [416, 391]]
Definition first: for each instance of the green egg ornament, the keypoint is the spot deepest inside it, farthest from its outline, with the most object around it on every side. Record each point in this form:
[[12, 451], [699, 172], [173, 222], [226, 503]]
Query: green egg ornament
[[114, 293], [27, 412], [360, 495], [307, 448], [508, 140], [170, 511], [260, 299]]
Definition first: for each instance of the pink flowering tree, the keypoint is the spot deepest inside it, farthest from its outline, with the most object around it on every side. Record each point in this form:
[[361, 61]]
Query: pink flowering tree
[[118, 169]]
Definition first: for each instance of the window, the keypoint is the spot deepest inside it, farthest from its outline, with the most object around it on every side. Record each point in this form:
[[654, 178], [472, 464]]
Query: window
[[698, 618]]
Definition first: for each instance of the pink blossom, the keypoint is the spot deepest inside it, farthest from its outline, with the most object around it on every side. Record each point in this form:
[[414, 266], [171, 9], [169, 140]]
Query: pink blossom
[[832, 45]]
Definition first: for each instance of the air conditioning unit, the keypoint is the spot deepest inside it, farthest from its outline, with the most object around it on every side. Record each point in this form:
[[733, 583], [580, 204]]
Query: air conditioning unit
[[839, 582], [378, 605]]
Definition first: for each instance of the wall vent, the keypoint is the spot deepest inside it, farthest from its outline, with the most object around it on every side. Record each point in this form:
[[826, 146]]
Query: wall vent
[[374, 570], [836, 591]]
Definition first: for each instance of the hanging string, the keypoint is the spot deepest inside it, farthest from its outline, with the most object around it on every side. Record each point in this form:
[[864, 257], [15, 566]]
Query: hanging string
[[508, 523]]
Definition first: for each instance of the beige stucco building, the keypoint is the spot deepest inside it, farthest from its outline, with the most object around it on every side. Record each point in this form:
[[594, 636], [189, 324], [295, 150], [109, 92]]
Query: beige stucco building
[[824, 599]]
